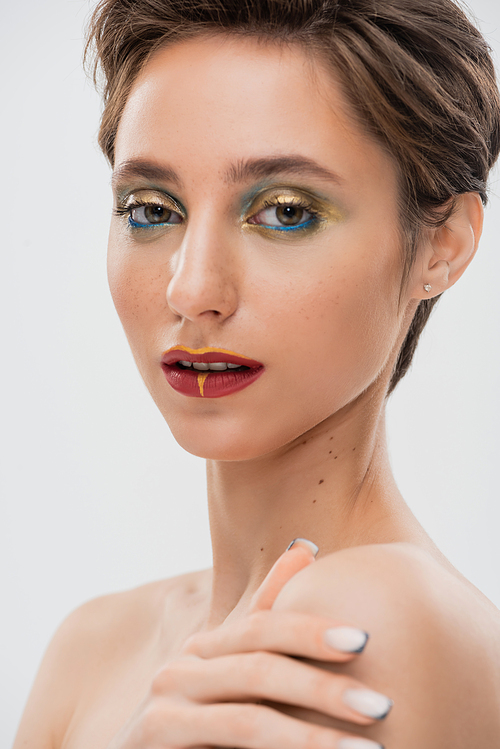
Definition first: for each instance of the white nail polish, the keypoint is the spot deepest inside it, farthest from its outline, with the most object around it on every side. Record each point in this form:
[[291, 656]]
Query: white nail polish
[[346, 639], [352, 743], [369, 703], [304, 542]]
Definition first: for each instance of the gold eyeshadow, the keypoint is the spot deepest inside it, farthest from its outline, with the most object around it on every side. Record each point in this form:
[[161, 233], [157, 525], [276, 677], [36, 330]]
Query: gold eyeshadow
[[150, 200], [146, 197], [322, 212]]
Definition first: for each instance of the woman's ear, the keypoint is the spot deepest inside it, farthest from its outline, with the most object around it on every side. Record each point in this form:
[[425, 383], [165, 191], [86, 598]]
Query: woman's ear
[[446, 252]]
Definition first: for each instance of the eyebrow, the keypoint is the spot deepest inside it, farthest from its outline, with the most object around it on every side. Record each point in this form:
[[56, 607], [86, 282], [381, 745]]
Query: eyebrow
[[268, 167], [146, 170], [243, 170]]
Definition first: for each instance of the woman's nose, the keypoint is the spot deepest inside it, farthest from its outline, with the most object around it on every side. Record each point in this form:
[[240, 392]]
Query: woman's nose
[[204, 276]]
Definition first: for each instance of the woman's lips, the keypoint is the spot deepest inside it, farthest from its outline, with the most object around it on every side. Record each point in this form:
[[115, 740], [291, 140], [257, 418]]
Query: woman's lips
[[208, 355], [208, 383]]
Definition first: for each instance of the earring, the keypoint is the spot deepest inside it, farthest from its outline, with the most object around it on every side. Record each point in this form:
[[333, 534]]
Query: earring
[[427, 287]]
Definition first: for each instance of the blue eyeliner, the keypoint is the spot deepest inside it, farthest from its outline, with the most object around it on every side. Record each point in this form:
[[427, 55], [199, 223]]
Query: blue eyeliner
[[133, 200], [260, 198], [269, 196], [289, 228], [134, 225]]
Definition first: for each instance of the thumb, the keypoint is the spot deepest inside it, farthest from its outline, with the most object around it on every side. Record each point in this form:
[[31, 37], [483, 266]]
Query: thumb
[[301, 553]]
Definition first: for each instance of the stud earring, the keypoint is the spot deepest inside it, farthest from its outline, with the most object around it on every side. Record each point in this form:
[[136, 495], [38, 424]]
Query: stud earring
[[427, 287]]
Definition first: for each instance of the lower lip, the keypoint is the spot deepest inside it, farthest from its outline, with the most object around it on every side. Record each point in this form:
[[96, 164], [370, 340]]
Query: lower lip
[[214, 385]]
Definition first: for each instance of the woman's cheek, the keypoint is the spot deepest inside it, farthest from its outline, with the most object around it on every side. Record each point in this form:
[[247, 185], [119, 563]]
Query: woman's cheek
[[345, 329], [134, 285], [119, 275]]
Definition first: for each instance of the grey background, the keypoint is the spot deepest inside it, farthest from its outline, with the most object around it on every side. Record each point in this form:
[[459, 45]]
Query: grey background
[[96, 495]]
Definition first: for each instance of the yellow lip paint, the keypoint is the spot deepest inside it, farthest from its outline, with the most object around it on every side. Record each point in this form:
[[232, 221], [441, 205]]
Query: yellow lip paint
[[201, 381], [206, 350]]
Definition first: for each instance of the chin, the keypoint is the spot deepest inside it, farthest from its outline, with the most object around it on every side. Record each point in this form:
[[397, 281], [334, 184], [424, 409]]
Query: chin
[[215, 444]]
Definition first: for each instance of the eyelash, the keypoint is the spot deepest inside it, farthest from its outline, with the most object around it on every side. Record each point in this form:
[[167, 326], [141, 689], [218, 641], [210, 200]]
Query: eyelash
[[315, 216], [126, 210]]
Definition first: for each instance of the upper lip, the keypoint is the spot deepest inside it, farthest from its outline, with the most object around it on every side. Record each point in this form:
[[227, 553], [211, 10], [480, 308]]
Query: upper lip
[[208, 355]]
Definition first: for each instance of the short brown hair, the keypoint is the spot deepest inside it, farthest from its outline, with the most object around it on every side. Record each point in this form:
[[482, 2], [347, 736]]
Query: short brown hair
[[419, 76]]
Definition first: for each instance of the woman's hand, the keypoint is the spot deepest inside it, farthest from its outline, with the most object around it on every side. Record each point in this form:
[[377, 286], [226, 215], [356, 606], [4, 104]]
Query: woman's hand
[[210, 694]]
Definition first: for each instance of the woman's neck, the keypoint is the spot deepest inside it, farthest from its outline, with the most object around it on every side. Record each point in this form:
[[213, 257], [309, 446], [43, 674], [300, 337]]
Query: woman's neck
[[333, 485]]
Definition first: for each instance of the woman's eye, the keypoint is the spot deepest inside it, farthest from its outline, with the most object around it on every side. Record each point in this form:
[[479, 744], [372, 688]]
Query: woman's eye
[[149, 215], [282, 216]]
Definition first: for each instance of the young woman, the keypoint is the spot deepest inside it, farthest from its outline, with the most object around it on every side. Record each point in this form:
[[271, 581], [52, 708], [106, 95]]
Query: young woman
[[295, 184]]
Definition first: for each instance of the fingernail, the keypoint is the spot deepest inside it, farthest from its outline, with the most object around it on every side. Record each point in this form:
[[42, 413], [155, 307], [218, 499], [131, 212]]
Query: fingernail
[[304, 542], [346, 639], [352, 743], [366, 702]]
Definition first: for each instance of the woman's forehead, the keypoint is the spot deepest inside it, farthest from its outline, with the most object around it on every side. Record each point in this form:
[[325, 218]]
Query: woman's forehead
[[216, 102]]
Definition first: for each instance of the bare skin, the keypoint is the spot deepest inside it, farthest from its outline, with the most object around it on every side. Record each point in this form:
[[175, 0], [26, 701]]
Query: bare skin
[[117, 657], [299, 453]]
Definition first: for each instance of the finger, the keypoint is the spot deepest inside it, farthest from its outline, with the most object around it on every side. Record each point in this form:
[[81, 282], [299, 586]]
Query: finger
[[299, 554], [250, 727], [267, 676], [288, 632]]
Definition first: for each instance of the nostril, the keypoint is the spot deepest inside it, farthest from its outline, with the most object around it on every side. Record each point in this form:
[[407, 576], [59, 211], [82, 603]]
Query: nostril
[[214, 312]]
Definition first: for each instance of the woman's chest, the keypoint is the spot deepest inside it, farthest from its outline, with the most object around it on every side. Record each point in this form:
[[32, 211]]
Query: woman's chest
[[104, 709], [117, 689]]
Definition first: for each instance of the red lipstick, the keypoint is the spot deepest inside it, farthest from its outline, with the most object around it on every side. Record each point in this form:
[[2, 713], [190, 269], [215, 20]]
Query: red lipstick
[[179, 365]]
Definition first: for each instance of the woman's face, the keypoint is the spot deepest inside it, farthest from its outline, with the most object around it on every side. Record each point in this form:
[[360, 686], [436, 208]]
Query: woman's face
[[256, 218]]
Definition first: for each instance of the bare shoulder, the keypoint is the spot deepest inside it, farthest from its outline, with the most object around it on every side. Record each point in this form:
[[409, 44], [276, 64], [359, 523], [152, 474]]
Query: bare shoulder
[[434, 642], [398, 575], [115, 625], [91, 643]]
